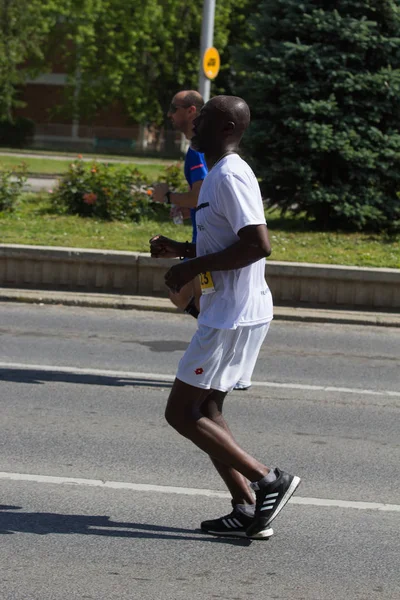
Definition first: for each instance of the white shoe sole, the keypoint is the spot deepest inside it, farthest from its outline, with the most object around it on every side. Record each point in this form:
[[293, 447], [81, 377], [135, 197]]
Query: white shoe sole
[[265, 534], [289, 493]]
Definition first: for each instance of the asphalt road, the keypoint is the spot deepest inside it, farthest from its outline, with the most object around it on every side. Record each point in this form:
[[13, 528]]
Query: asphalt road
[[101, 499]]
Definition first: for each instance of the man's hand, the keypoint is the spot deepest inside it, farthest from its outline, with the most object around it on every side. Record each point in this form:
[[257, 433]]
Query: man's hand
[[179, 275], [163, 247], [159, 192]]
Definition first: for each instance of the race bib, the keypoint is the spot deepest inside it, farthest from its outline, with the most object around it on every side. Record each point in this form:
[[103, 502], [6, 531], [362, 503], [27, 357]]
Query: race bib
[[206, 283]]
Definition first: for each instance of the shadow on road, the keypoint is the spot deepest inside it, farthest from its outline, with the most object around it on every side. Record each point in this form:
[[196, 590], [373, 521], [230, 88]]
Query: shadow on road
[[12, 520], [38, 376]]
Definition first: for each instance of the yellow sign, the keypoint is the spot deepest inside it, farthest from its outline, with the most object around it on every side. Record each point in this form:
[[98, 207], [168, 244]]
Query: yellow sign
[[211, 63]]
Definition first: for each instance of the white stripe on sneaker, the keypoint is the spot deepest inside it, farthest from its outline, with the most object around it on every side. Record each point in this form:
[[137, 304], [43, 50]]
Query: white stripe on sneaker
[[289, 492], [268, 504], [225, 522], [272, 495]]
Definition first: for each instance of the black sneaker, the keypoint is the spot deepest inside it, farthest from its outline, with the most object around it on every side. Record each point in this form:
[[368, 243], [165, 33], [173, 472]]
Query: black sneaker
[[235, 524], [270, 499]]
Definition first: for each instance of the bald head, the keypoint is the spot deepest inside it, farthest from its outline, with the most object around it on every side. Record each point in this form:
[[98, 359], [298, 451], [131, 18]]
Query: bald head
[[234, 110], [220, 126], [190, 98], [184, 107]]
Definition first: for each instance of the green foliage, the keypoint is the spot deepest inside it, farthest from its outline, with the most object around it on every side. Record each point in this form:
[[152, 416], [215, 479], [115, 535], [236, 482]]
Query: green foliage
[[240, 35], [102, 191], [133, 53], [323, 83], [24, 25], [174, 176], [11, 186], [107, 192], [117, 53]]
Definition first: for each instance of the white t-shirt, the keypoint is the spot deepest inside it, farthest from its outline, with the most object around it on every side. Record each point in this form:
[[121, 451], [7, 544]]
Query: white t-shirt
[[229, 200]]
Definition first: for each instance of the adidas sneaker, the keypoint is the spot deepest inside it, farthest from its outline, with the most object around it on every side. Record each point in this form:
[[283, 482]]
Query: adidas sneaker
[[270, 499], [235, 524]]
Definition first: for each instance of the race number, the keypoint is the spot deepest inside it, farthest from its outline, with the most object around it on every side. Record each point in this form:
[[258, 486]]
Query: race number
[[206, 283]]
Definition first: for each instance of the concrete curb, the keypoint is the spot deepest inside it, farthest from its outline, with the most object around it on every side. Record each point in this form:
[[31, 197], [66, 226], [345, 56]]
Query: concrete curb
[[83, 270], [283, 313]]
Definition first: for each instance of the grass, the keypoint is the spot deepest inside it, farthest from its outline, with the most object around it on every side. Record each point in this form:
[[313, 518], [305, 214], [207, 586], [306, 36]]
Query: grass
[[48, 166], [86, 155], [295, 240], [33, 222]]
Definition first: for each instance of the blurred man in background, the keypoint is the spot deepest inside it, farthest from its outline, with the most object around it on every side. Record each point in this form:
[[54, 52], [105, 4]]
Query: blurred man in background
[[184, 108]]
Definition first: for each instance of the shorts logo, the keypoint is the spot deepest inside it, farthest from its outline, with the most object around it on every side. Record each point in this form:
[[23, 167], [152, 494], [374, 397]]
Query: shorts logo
[[199, 371]]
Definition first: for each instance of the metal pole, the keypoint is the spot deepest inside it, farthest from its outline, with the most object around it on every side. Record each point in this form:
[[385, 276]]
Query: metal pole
[[207, 35]]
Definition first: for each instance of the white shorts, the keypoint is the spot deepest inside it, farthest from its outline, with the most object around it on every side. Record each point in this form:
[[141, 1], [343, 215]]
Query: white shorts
[[218, 358]]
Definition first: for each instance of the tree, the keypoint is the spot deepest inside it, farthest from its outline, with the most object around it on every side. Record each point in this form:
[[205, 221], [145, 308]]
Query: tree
[[24, 25], [323, 83], [242, 15], [138, 53]]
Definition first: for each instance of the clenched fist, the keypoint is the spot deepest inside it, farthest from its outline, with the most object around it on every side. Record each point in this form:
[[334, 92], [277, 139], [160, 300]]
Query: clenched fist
[[163, 247]]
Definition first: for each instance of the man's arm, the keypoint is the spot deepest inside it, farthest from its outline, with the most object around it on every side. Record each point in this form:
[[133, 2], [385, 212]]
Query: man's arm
[[253, 245], [163, 247], [185, 199]]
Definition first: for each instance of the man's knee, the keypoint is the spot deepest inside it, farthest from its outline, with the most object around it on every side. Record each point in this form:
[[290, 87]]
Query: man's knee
[[183, 406], [171, 417], [212, 407], [181, 421]]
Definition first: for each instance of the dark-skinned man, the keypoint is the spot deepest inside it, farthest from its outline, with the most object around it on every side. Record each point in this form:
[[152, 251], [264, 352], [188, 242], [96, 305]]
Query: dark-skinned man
[[235, 314], [183, 109]]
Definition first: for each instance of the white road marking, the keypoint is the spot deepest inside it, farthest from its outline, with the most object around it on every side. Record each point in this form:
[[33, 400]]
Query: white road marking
[[163, 377], [166, 489]]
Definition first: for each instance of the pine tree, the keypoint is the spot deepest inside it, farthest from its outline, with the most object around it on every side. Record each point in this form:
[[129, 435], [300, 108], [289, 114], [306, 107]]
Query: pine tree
[[323, 83]]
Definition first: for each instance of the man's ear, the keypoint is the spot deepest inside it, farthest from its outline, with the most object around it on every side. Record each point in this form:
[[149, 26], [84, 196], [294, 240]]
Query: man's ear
[[192, 110], [229, 128]]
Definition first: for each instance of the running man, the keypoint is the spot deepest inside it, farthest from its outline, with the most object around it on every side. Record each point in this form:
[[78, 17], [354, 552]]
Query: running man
[[235, 314], [183, 109]]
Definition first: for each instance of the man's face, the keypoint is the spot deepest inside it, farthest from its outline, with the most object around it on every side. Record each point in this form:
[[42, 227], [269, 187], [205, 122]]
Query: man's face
[[179, 114], [206, 130]]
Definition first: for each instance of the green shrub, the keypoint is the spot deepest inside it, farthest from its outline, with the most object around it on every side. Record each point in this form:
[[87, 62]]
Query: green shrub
[[323, 84], [12, 182], [174, 176], [108, 192]]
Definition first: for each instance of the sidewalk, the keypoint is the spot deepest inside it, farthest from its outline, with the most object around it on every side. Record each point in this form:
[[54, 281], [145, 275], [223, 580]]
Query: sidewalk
[[148, 303], [88, 157]]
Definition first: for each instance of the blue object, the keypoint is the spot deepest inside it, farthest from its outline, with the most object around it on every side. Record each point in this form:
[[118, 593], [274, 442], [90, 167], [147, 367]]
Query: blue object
[[195, 170]]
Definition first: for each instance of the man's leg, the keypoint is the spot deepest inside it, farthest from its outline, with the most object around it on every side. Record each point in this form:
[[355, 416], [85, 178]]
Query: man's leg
[[235, 482], [200, 420], [187, 412], [240, 517], [184, 414]]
